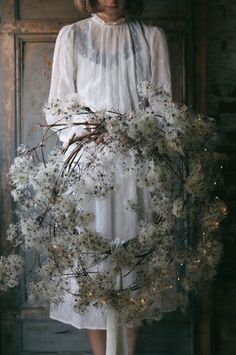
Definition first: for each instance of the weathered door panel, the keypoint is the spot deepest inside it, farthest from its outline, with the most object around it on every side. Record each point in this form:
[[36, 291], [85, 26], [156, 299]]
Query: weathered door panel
[[28, 30]]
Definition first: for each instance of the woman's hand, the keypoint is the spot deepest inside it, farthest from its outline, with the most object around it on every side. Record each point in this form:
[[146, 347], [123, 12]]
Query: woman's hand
[[99, 140]]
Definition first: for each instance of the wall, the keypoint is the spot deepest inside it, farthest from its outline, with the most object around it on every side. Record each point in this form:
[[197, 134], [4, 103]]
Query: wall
[[221, 103]]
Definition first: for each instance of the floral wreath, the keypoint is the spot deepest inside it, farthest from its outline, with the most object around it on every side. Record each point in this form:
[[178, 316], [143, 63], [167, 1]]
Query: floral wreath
[[172, 152]]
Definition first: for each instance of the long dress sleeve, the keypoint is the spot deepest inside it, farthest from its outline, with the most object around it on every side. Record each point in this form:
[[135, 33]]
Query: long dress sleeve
[[63, 68], [160, 63], [63, 79]]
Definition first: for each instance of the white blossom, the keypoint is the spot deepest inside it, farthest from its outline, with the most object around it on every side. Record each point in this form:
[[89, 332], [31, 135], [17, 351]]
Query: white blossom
[[163, 146], [178, 208], [11, 269]]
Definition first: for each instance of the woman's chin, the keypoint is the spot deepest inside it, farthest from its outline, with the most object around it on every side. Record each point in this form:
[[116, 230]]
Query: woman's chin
[[112, 11], [110, 15]]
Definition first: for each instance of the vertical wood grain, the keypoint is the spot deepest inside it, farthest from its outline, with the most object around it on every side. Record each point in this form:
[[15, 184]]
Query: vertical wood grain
[[200, 20]]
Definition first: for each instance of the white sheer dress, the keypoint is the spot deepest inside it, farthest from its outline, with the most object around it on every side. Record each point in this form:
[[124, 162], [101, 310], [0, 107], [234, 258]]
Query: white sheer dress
[[104, 63]]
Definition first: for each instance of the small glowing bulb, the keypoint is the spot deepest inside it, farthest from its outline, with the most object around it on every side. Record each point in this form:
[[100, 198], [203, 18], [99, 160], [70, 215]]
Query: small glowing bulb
[[181, 264], [217, 197], [171, 286], [142, 301], [178, 278], [221, 166], [90, 294], [204, 251], [131, 299], [205, 150], [199, 261], [215, 183], [154, 289]]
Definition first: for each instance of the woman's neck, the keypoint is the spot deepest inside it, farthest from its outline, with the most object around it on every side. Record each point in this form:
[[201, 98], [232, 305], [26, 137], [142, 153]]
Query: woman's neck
[[109, 18]]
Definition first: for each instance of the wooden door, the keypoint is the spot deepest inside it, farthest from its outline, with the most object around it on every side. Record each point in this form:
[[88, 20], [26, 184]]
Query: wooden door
[[28, 30]]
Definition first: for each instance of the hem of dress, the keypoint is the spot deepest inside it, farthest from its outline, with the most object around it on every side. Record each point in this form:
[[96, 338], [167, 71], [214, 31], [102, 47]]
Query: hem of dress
[[88, 327], [73, 324]]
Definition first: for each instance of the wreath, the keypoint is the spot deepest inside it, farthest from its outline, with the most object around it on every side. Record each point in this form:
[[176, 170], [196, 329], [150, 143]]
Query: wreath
[[172, 153]]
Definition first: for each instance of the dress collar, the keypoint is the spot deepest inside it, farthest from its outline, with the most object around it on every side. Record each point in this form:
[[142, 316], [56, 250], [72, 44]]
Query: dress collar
[[99, 20]]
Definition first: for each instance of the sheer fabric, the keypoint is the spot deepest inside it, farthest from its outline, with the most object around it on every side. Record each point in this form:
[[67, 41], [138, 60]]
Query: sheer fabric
[[103, 63]]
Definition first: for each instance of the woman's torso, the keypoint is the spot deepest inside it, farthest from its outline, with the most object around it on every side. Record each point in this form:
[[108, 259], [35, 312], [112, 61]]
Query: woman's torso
[[111, 60]]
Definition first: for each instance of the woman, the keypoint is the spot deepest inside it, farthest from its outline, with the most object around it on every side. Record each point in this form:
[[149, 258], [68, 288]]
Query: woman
[[103, 58]]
